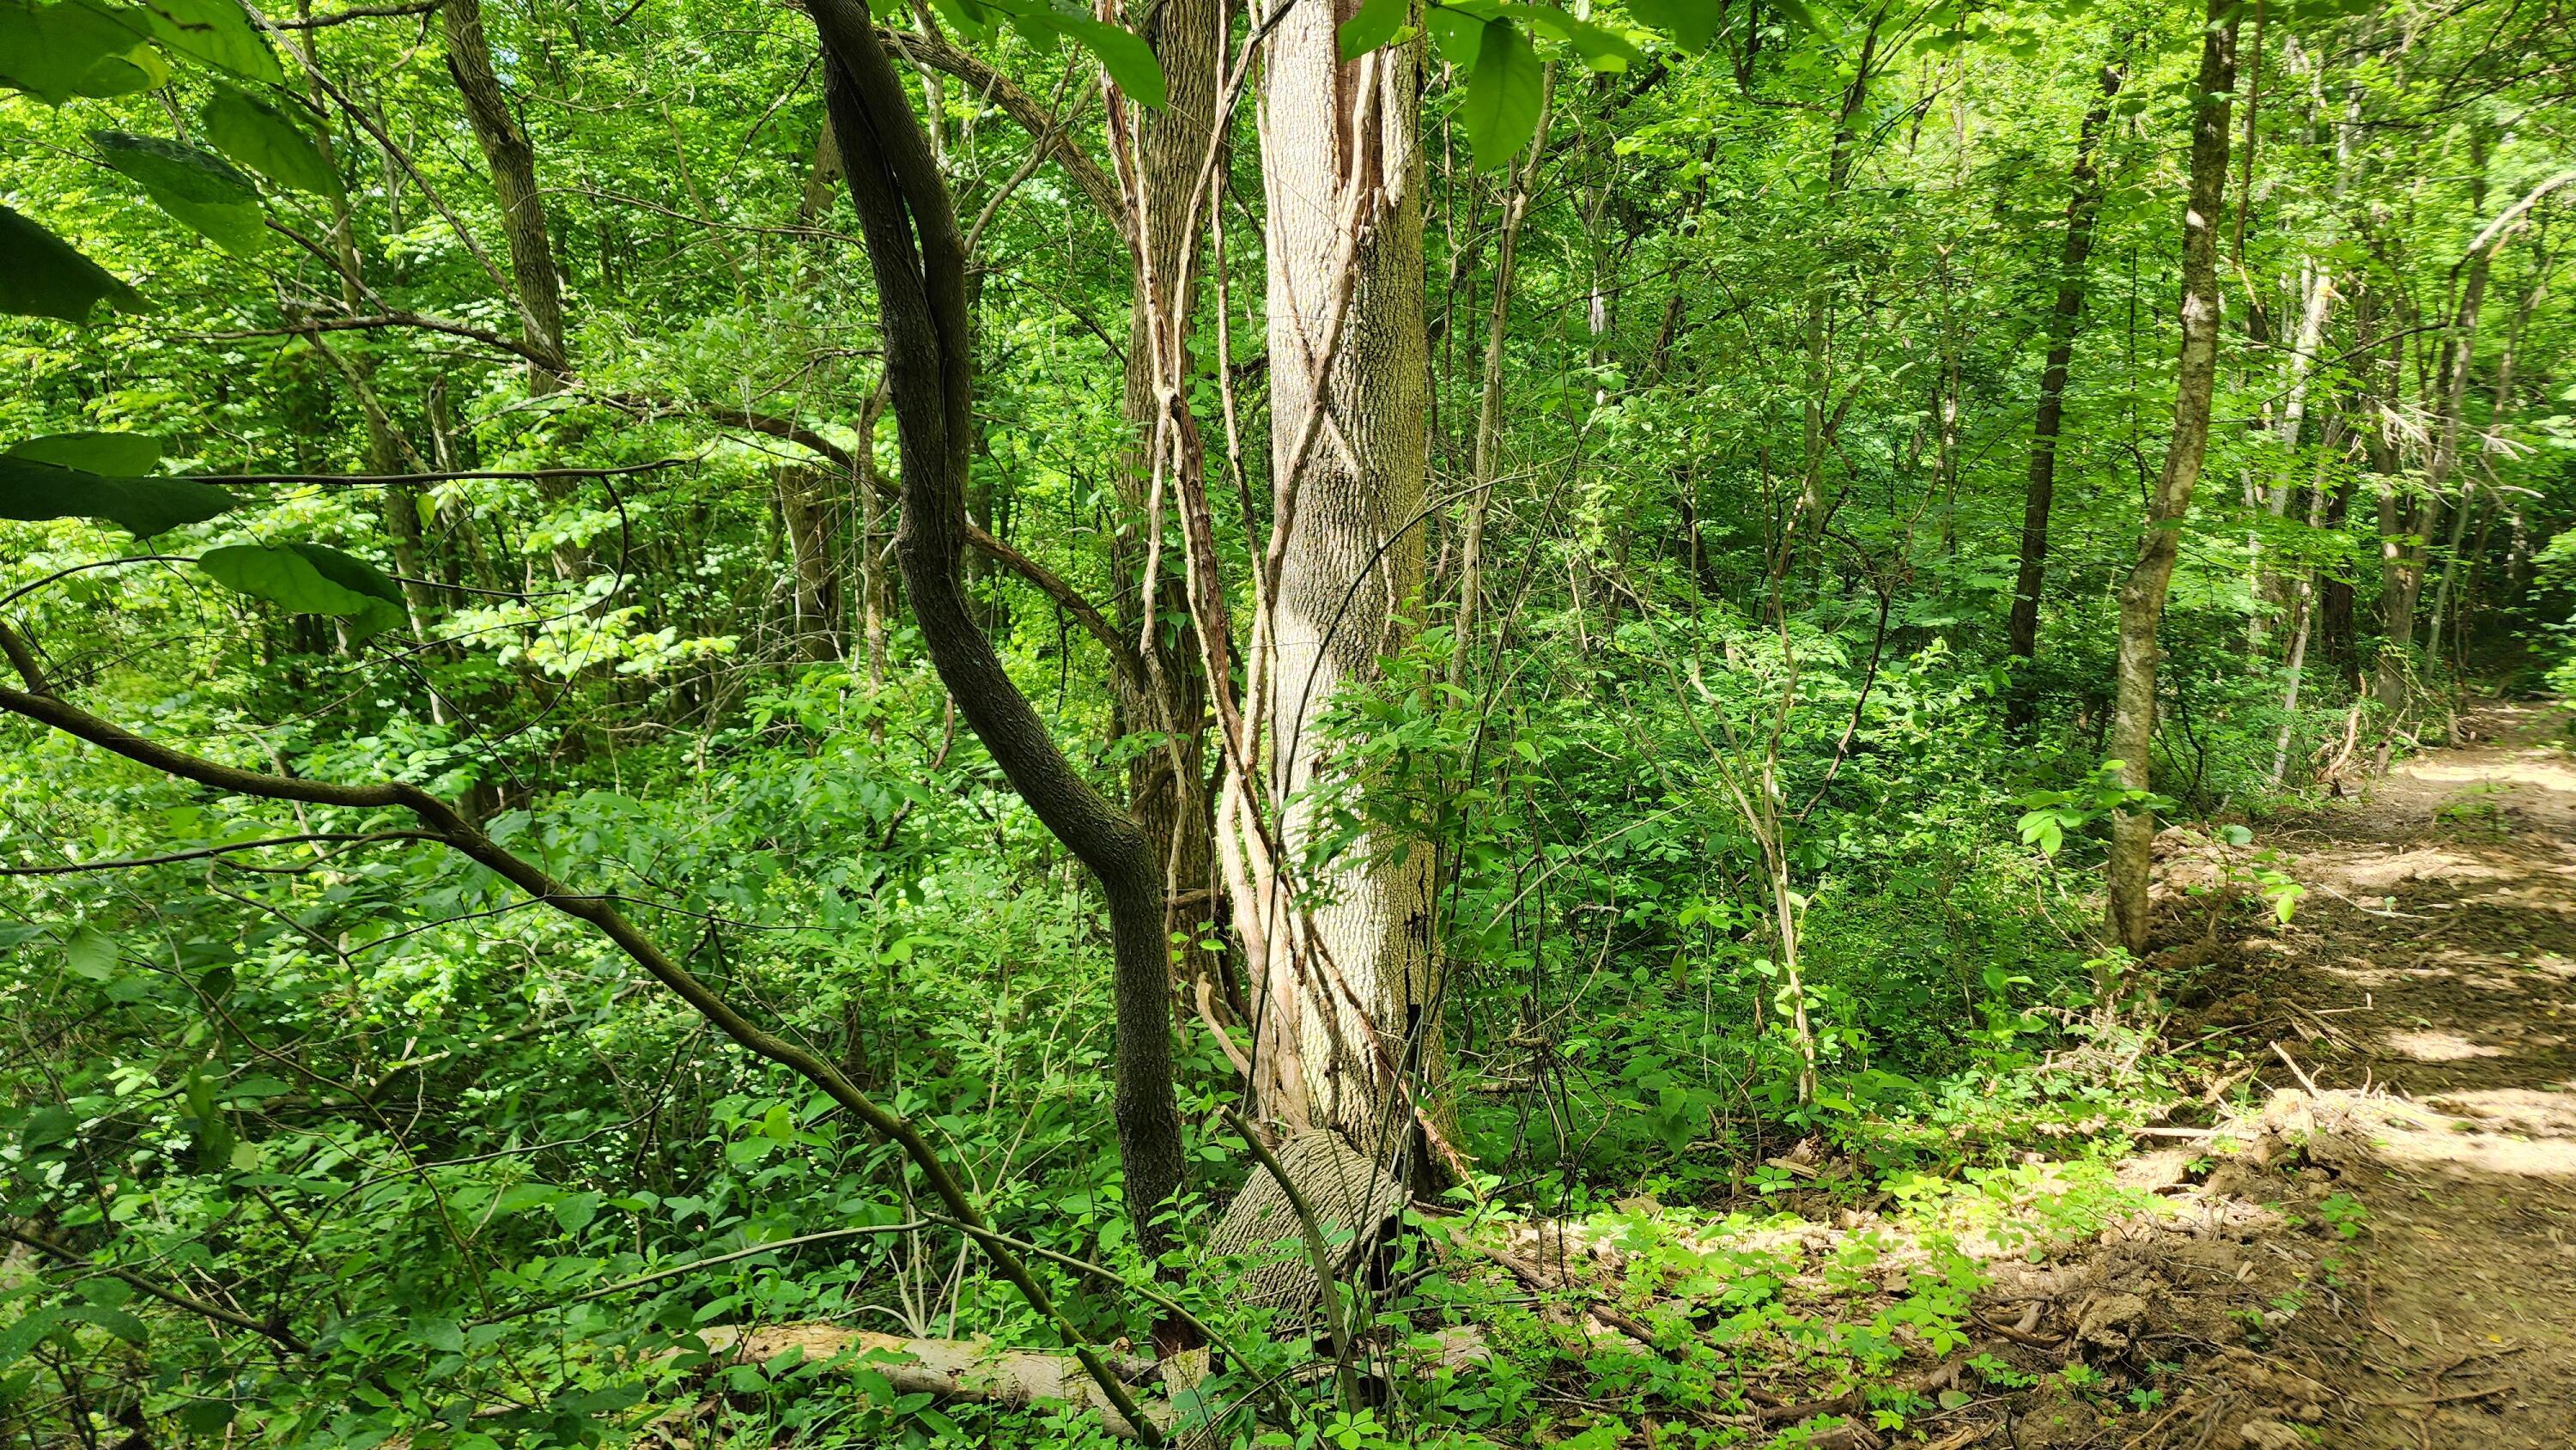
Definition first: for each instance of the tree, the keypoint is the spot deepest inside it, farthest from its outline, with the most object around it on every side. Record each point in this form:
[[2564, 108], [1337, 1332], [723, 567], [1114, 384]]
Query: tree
[[919, 260], [2142, 593], [1350, 976], [2083, 204]]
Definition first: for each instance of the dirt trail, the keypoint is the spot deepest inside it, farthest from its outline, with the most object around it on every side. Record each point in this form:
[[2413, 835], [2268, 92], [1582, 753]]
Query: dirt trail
[[2405, 1219]]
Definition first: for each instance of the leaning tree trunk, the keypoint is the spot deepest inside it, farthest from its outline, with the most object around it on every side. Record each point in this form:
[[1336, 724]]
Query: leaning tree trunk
[[2083, 204], [1349, 386], [2142, 594], [533, 275], [919, 261]]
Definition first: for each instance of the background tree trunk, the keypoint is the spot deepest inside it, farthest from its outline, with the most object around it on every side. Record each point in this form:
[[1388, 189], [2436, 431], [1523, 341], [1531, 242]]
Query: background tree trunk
[[2142, 594], [2083, 204], [1168, 786]]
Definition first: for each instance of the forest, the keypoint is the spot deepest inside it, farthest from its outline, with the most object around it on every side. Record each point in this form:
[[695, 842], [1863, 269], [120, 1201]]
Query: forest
[[1453, 723]]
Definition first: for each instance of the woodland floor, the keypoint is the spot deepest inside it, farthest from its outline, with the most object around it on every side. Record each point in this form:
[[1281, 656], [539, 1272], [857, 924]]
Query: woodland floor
[[2388, 1256], [2358, 1230]]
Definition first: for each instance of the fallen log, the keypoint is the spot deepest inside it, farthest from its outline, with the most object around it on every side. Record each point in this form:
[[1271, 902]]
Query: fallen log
[[970, 1370]]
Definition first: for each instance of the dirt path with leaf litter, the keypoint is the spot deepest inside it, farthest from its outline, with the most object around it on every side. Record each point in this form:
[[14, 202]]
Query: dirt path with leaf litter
[[2377, 1249]]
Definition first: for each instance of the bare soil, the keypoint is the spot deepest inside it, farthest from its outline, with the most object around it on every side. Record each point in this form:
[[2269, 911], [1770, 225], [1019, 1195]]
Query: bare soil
[[2377, 1248]]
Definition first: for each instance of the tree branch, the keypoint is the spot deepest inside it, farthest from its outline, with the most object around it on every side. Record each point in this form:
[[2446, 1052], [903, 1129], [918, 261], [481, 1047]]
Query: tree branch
[[461, 835], [1023, 109], [216, 1312]]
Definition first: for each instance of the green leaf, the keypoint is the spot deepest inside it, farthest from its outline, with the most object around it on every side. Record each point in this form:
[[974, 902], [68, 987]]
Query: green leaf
[[26, 1333], [90, 954], [309, 579], [56, 52], [1800, 16], [268, 141], [126, 453], [975, 22], [352, 573], [1602, 49], [1124, 54], [211, 195], [31, 491], [214, 31], [1502, 95], [115, 1321], [1455, 34], [1374, 25], [45, 1127], [1691, 23], [41, 275]]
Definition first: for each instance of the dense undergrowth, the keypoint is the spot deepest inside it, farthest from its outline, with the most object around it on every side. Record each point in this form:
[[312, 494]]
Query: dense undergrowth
[[1766, 868], [457, 1166]]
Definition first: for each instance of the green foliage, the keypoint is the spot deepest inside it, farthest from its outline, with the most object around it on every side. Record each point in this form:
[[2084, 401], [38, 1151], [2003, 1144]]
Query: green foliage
[[34, 490], [44, 276], [267, 140], [1703, 765]]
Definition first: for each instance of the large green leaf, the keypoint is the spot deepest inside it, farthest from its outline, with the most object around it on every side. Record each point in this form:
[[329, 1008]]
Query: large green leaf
[[177, 170], [56, 52], [1691, 23], [1121, 52], [268, 141], [33, 491], [1602, 49], [214, 31], [1455, 33], [309, 579], [1375, 23], [352, 573], [1502, 95], [111, 453], [208, 193], [41, 275]]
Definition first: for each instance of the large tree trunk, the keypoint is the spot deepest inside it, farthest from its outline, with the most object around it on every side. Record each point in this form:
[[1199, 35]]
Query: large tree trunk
[[2142, 594], [1349, 386], [514, 184], [919, 261], [1167, 211], [2083, 204]]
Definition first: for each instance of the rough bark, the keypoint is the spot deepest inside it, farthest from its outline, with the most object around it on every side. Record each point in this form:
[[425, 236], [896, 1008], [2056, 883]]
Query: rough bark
[[1349, 384], [2039, 494], [919, 261], [2142, 594], [533, 273], [514, 184], [1168, 786]]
